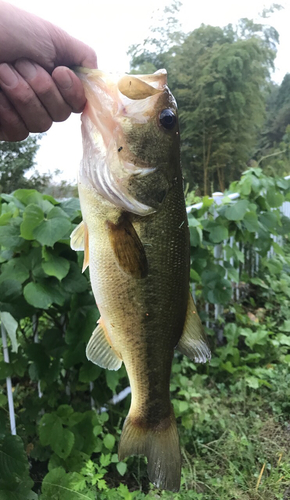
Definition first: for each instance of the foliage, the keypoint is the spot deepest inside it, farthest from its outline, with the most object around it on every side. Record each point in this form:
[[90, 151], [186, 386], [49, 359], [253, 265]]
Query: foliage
[[219, 77], [232, 414], [278, 114], [16, 159]]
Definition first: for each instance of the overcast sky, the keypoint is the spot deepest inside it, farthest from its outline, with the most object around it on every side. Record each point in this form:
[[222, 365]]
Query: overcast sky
[[111, 26]]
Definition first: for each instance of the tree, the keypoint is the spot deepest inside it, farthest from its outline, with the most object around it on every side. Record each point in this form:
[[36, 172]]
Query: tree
[[278, 116], [16, 159], [219, 77]]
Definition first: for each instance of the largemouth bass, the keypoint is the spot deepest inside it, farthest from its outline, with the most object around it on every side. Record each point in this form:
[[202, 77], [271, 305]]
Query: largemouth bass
[[136, 242]]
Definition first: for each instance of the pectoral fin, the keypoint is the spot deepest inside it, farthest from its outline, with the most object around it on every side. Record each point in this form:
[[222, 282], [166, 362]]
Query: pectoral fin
[[79, 240], [193, 341], [100, 351], [77, 237], [128, 248]]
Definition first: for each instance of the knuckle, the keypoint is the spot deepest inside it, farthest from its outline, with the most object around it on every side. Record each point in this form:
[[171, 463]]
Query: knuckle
[[41, 126], [63, 115], [14, 134]]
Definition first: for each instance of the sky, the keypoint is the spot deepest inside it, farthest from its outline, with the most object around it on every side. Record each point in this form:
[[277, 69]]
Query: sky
[[110, 27]]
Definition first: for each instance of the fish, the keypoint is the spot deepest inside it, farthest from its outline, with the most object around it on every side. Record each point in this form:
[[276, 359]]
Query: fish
[[135, 239]]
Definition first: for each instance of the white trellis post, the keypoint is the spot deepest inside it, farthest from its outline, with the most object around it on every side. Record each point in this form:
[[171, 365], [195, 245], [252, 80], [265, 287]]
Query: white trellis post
[[8, 382]]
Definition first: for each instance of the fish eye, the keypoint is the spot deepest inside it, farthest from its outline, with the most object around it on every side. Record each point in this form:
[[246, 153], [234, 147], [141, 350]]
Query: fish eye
[[167, 119]]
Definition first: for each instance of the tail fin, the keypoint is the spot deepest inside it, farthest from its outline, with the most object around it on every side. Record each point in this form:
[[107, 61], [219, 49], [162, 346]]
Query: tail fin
[[161, 447]]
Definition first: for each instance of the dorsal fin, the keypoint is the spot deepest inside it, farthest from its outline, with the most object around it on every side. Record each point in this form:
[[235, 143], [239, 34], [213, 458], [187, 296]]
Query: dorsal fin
[[193, 342]]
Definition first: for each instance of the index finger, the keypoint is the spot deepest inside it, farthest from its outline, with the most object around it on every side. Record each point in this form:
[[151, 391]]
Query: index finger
[[70, 87]]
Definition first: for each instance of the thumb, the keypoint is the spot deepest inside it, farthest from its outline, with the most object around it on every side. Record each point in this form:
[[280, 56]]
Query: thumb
[[72, 52]]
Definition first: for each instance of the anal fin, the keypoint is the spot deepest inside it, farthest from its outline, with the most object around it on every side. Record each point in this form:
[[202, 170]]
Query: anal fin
[[193, 342], [100, 351]]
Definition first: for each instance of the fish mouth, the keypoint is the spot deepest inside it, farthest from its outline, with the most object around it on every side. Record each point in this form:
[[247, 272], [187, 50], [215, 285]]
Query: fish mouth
[[113, 100]]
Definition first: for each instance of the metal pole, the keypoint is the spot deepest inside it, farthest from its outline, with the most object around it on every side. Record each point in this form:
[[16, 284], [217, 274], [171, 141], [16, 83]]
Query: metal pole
[[8, 382]]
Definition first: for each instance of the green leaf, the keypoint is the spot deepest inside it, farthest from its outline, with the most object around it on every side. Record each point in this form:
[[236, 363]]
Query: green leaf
[[89, 372], [32, 217], [9, 237], [283, 339], [274, 198], [51, 230], [59, 485], [121, 468], [252, 382], [109, 441], [37, 295], [221, 293], [71, 207], [3, 400], [259, 282], [112, 379], [56, 266], [4, 218], [236, 211], [63, 446], [192, 221], [218, 234], [15, 483], [246, 185], [16, 269], [10, 290], [43, 294], [50, 428], [52, 433], [75, 281], [195, 236], [251, 223], [286, 326], [11, 327]]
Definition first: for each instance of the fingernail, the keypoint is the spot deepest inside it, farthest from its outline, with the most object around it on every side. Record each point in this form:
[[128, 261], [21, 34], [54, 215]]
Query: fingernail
[[8, 76], [26, 68], [64, 80]]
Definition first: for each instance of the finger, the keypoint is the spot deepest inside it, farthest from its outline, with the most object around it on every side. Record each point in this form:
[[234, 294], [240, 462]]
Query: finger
[[12, 127], [45, 89], [24, 100], [70, 87]]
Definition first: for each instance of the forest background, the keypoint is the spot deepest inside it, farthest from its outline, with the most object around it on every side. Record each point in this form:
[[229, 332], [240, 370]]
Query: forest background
[[233, 415]]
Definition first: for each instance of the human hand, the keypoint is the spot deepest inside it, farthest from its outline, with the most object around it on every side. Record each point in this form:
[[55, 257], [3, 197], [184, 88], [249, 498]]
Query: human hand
[[36, 87]]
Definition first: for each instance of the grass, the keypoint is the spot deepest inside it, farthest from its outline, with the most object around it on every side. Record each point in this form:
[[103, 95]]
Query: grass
[[238, 444]]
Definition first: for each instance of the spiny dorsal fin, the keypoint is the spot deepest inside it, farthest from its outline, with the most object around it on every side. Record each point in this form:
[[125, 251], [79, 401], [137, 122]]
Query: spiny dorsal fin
[[193, 342], [79, 240], [100, 351], [128, 248]]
